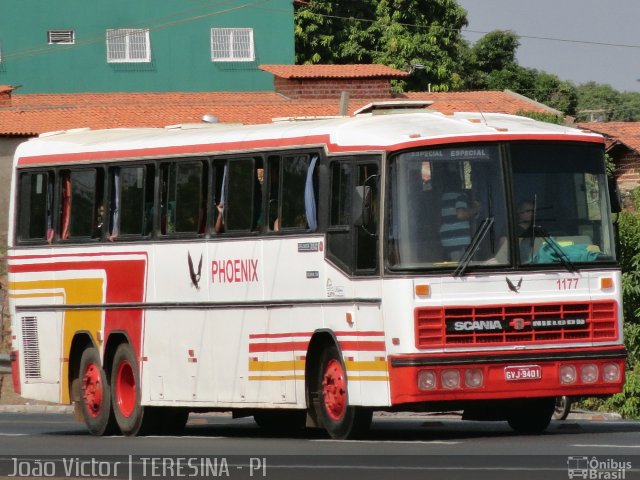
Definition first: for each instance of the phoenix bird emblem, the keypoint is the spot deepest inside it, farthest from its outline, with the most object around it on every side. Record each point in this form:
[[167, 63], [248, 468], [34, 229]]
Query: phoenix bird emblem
[[195, 276], [514, 287]]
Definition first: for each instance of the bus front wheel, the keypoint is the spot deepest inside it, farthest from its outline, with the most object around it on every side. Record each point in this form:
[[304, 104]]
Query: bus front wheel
[[95, 399], [339, 419], [531, 416]]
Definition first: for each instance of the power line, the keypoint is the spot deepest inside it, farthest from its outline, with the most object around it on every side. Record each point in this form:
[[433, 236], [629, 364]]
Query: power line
[[100, 37], [528, 37], [566, 40]]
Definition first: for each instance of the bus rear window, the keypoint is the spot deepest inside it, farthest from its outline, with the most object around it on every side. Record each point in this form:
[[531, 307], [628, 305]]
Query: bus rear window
[[36, 206]]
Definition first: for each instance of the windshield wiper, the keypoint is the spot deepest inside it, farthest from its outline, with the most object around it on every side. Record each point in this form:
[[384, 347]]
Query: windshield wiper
[[473, 246], [557, 249]]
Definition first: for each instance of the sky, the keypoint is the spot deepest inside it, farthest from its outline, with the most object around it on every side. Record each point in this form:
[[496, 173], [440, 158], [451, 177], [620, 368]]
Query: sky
[[584, 25]]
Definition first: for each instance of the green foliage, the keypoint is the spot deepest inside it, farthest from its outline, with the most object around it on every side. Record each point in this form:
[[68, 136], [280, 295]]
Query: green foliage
[[496, 51], [626, 403], [334, 32], [629, 258], [3, 258], [542, 117], [601, 102], [397, 33]]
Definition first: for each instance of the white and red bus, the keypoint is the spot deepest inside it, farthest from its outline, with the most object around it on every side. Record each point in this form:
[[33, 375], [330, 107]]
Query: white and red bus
[[312, 272]]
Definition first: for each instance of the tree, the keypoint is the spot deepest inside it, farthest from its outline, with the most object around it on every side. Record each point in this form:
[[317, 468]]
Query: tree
[[397, 33], [420, 32], [496, 51], [594, 97], [490, 64], [334, 32]]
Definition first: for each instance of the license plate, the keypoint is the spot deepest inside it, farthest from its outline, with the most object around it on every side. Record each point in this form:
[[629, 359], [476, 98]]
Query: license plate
[[528, 372]]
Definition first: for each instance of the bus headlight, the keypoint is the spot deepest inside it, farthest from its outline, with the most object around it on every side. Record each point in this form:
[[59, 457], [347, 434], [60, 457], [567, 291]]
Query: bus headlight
[[426, 379], [450, 379], [611, 372], [589, 373], [567, 374]]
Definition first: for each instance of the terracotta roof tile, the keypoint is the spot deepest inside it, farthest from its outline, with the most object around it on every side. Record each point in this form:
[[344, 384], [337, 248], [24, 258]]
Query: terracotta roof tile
[[333, 71], [624, 132], [30, 114]]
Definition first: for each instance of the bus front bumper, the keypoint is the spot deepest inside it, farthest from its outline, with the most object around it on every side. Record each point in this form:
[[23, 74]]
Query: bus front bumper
[[503, 375]]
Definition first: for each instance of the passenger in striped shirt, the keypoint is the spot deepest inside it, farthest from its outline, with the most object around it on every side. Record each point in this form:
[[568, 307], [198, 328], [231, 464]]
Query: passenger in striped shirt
[[455, 227]]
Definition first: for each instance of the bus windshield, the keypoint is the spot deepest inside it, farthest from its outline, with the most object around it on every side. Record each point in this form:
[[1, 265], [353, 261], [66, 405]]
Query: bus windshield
[[450, 206]]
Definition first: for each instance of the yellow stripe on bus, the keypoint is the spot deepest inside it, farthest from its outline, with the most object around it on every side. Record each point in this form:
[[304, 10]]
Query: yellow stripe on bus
[[368, 378], [366, 366], [35, 295], [77, 291], [276, 366]]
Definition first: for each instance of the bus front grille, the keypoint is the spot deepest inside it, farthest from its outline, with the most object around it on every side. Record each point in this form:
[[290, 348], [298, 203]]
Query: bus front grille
[[509, 324]]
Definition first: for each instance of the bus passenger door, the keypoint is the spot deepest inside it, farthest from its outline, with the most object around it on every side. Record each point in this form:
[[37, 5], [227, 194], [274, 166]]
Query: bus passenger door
[[352, 237]]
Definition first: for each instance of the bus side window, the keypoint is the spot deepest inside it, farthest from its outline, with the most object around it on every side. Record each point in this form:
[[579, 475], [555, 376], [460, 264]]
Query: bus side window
[[339, 238], [352, 236], [367, 228], [273, 206], [220, 171], [183, 197], [131, 205], [81, 193], [35, 220], [297, 180], [239, 194]]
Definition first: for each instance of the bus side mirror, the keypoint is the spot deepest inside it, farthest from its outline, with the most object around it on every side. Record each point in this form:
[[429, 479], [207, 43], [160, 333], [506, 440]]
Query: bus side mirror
[[614, 195]]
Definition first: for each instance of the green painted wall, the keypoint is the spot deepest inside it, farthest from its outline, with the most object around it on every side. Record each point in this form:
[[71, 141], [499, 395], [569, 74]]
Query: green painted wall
[[180, 32]]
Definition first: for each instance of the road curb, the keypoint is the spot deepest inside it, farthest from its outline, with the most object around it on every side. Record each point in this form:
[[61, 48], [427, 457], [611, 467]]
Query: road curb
[[36, 409]]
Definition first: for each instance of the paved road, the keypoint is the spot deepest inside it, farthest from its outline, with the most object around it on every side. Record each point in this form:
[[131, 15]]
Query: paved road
[[398, 447]]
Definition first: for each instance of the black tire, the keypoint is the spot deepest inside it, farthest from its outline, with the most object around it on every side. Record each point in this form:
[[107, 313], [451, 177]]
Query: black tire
[[339, 419], [281, 421], [131, 417], [95, 395], [531, 416], [562, 408]]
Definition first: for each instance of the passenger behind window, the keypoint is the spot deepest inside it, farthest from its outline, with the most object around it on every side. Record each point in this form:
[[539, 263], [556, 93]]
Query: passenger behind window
[[457, 211], [66, 206], [99, 223], [219, 224]]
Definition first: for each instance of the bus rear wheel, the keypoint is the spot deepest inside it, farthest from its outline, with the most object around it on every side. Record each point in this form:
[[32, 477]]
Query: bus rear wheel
[[340, 420], [132, 418], [95, 403]]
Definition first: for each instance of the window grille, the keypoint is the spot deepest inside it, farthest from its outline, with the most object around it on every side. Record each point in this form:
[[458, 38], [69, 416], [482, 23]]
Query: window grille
[[126, 45], [232, 45], [61, 37]]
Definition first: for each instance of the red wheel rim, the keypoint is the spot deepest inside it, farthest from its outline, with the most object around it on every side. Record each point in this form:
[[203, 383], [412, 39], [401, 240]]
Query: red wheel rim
[[125, 388], [334, 390], [92, 390]]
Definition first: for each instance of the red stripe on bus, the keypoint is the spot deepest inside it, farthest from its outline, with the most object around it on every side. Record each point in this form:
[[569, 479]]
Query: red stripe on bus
[[362, 346], [125, 282], [302, 346], [278, 347], [307, 141], [175, 150], [308, 334], [62, 255]]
